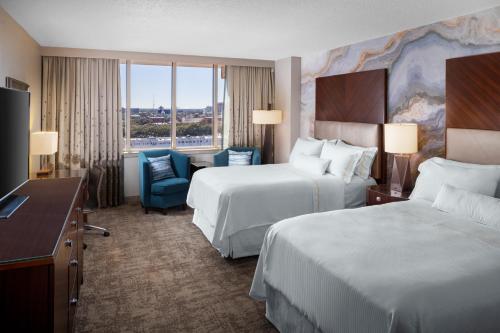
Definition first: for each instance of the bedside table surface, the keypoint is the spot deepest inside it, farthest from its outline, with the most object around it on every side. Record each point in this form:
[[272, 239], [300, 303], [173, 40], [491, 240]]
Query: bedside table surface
[[382, 194], [385, 189]]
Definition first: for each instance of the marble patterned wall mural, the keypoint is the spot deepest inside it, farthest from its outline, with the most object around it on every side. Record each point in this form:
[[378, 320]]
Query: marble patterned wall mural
[[416, 64]]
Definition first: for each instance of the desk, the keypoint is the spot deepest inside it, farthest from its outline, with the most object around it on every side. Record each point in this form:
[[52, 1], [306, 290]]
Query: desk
[[41, 256]]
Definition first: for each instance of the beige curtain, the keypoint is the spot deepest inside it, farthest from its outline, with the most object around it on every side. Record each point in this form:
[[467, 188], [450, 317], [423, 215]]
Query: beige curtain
[[81, 100], [248, 89]]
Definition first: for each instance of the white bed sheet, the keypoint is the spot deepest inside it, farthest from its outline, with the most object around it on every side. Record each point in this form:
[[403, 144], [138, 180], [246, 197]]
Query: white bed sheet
[[230, 200], [399, 267], [355, 191]]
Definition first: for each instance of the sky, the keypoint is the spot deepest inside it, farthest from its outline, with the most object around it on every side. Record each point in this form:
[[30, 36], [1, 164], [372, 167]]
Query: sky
[[152, 84]]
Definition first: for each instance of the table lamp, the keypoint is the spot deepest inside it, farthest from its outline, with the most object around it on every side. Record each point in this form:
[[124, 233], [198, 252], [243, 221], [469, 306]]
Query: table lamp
[[401, 140], [43, 143], [267, 118]]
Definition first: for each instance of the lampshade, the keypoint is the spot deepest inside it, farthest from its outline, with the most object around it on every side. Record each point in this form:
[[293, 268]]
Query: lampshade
[[266, 117], [43, 143], [401, 138]]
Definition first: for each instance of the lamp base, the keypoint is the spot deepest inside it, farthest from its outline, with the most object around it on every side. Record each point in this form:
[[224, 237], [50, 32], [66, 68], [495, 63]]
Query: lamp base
[[268, 147], [401, 174]]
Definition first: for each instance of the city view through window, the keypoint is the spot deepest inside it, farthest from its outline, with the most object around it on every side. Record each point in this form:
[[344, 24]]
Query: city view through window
[[150, 116]]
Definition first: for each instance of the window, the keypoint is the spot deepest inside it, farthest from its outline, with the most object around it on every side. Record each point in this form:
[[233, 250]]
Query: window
[[194, 106], [196, 90], [150, 106]]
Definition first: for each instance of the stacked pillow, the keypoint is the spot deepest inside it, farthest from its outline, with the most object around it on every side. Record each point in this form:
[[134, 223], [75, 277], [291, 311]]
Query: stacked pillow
[[334, 156], [437, 171], [365, 163], [462, 189], [343, 160], [308, 147]]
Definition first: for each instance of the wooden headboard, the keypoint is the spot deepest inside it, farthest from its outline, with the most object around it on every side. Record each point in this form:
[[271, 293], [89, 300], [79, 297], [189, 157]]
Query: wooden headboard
[[473, 109], [352, 107]]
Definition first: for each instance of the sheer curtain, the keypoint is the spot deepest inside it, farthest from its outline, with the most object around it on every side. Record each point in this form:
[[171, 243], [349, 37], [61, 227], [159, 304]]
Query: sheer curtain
[[248, 89], [81, 100]]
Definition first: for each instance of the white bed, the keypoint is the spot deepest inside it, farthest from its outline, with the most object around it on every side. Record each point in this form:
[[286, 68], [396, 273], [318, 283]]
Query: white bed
[[400, 267], [234, 206]]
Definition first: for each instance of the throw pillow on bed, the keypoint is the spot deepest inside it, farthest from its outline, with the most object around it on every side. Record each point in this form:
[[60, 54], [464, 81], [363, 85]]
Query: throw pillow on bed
[[481, 208], [161, 168], [239, 157], [311, 164]]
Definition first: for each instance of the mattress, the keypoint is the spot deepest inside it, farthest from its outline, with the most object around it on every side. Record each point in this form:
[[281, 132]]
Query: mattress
[[399, 267]]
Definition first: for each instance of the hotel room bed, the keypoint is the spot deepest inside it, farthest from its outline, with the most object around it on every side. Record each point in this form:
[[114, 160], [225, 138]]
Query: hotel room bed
[[399, 267], [234, 206]]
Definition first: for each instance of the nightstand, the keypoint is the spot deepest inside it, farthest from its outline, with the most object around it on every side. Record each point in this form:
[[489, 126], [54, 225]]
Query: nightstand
[[381, 194], [195, 166]]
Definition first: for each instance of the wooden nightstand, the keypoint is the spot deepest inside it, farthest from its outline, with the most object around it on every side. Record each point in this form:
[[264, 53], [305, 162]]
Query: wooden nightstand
[[195, 166], [381, 194]]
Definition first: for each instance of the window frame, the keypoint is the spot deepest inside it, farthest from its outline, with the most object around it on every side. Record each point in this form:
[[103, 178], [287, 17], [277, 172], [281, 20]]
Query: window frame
[[173, 129]]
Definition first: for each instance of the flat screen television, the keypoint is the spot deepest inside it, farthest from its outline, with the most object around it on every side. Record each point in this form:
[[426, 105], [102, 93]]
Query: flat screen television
[[14, 147]]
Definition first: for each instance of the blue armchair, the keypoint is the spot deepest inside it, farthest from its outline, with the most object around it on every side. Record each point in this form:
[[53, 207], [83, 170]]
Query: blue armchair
[[168, 192], [221, 159]]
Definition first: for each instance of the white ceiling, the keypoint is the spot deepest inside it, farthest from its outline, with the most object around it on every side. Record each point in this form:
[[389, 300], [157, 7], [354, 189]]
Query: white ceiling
[[260, 29]]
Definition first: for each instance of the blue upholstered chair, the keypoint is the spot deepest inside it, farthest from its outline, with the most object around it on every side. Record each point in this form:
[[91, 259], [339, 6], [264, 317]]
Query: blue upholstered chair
[[168, 192], [222, 158]]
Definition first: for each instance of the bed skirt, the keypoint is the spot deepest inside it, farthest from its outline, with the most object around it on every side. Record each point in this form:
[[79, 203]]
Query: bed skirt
[[244, 243], [286, 317]]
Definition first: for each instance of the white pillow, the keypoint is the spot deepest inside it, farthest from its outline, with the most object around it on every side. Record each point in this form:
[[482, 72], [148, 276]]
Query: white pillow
[[311, 164], [343, 160], [434, 174], [364, 166], [444, 161], [309, 147], [479, 207]]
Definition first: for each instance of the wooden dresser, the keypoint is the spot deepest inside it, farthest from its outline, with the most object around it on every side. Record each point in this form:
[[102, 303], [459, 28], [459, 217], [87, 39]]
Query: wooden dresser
[[41, 257]]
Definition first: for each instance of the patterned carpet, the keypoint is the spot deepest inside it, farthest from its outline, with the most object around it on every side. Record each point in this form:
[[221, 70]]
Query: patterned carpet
[[158, 273]]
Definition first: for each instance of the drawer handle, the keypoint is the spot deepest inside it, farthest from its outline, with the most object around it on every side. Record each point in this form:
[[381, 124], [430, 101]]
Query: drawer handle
[[74, 223], [73, 301], [378, 199], [78, 210], [73, 262], [68, 243]]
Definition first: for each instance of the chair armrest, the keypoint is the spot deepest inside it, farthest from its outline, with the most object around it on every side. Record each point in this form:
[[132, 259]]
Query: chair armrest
[[181, 164], [256, 156], [144, 179], [221, 159]]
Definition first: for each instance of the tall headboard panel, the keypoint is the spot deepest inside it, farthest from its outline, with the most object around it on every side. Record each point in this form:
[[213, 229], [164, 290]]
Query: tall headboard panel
[[352, 107], [473, 109]]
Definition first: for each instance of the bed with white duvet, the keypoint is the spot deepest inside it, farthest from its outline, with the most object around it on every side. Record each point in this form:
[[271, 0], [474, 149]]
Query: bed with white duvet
[[431, 264], [235, 205]]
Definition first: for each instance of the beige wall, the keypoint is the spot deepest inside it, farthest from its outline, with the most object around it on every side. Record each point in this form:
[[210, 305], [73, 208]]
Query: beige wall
[[287, 79], [20, 58]]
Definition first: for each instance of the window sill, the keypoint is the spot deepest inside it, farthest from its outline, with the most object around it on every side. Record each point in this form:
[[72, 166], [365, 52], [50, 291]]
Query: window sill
[[188, 151]]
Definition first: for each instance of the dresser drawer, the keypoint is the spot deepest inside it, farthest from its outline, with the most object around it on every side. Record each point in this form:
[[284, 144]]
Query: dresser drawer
[[73, 302]]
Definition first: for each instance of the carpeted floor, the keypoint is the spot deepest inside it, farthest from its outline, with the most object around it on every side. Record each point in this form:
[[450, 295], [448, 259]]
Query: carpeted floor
[[158, 273]]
